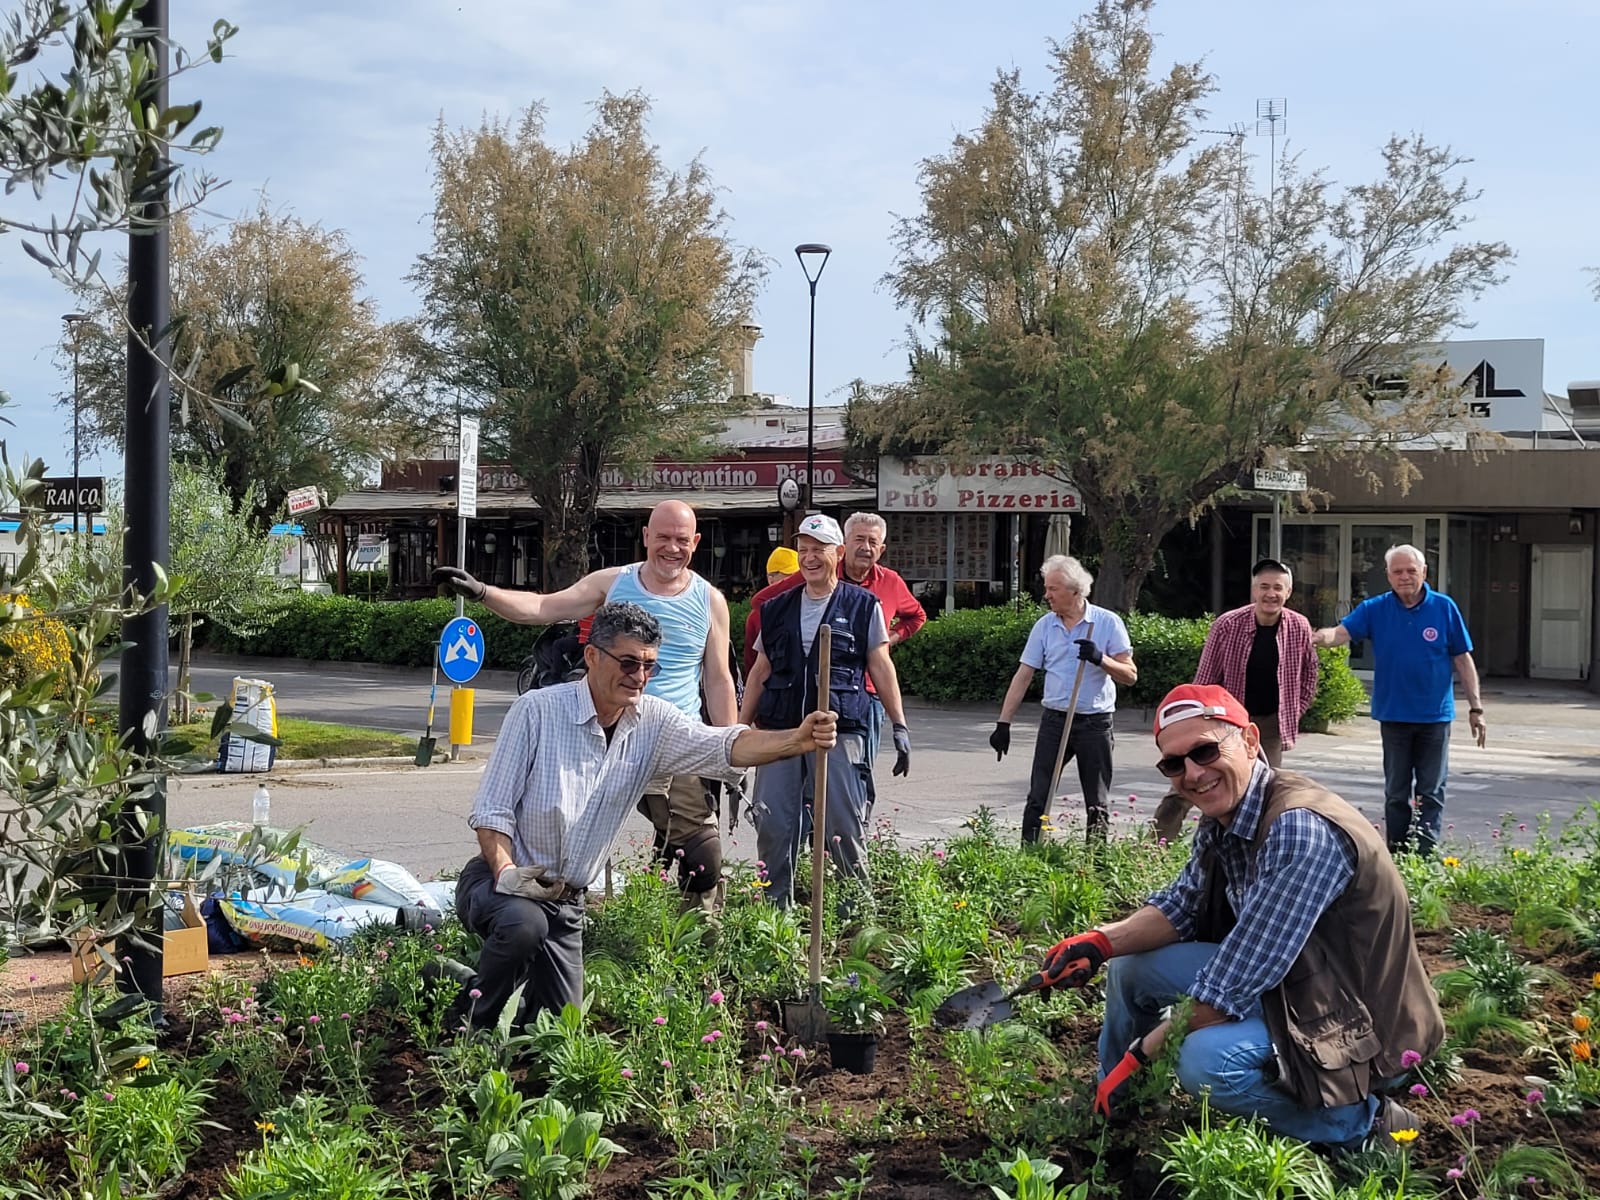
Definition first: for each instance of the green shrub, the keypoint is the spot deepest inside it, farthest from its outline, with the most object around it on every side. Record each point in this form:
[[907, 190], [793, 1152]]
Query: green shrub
[[1340, 695]]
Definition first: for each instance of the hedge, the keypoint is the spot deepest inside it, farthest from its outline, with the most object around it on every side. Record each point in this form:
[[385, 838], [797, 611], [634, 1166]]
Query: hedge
[[967, 656]]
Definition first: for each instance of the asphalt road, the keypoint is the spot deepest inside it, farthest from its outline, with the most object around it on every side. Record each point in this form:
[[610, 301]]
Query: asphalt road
[[1543, 756]]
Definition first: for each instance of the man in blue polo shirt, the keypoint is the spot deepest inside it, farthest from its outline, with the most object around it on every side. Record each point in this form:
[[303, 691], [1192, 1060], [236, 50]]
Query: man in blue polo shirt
[[1073, 631], [1418, 641]]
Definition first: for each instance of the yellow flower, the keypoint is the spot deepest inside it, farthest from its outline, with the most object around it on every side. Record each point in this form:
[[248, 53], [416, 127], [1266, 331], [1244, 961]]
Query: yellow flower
[[1403, 1135], [1580, 1022], [1596, 980], [266, 1127], [142, 1062], [961, 904], [1452, 862]]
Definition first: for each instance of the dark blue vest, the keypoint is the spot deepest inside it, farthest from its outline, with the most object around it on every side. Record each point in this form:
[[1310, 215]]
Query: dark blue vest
[[791, 690]]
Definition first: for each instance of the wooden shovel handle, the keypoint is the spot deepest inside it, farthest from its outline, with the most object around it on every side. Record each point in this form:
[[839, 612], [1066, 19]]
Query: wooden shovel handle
[[819, 805]]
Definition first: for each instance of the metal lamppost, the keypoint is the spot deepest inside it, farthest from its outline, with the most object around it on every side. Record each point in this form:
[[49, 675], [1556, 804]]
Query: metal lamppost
[[72, 322], [809, 253]]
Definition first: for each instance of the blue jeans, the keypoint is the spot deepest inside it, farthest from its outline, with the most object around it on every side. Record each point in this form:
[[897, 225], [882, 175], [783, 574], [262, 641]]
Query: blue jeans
[[1234, 1060], [1416, 761]]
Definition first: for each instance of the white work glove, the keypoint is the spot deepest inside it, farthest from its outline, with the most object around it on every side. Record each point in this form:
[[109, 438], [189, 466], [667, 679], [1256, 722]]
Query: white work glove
[[524, 881]]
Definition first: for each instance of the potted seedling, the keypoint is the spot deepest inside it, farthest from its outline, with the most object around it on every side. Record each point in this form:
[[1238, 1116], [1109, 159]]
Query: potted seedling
[[855, 1018]]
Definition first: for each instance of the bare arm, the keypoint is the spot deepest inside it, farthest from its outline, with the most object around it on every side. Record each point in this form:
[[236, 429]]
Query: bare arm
[[880, 668], [1015, 693], [1120, 667], [716, 678], [496, 850], [753, 747], [1144, 929], [571, 604], [1333, 635], [1467, 673], [754, 684]]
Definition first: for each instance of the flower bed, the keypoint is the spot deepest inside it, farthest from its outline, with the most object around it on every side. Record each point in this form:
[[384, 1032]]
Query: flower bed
[[335, 1076]]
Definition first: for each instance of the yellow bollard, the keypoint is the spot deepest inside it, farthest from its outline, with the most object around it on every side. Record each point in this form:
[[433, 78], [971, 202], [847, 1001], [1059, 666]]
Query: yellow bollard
[[460, 717]]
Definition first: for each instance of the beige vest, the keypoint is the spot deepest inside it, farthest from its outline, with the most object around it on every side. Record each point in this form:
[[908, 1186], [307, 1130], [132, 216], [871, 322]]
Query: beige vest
[[1358, 997]]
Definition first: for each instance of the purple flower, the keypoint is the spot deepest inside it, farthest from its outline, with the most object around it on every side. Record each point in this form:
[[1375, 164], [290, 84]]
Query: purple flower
[[707, 1040], [666, 1064], [1419, 1089], [716, 997], [1454, 1173], [313, 1019], [658, 1021], [627, 1072], [23, 1068], [761, 1026], [1409, 1059], [475, 994], [1465, 1118], [1534, 1097], [797, 1052], [427, 929], [344, 1016], [109, 1097], [766, 1058]]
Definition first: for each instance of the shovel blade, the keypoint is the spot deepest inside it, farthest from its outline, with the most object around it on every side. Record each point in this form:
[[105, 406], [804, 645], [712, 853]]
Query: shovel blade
[[425, 747], [975, 1007], [806, 1021]]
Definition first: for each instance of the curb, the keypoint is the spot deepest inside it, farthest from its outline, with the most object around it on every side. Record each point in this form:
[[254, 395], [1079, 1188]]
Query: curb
[[440, 757]]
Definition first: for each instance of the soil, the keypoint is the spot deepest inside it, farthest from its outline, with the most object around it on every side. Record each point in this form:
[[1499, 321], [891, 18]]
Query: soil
[[909, 1164]]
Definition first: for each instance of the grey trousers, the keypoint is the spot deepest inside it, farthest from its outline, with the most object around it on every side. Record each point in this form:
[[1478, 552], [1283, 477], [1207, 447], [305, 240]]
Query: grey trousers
[[781, 792], [534, 942]]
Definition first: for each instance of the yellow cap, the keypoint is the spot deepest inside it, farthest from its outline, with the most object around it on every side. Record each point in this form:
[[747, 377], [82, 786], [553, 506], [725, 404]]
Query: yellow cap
[[783, 559]]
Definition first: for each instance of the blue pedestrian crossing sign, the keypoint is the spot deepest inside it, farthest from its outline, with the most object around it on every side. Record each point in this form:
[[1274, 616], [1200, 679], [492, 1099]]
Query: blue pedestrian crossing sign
[[461, 650]]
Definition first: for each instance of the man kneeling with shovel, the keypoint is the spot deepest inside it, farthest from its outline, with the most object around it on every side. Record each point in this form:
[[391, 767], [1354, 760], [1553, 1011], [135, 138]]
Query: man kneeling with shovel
[[569, 765], [1289, 928]]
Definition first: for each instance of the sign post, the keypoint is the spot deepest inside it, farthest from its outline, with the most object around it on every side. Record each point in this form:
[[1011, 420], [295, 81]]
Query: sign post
[[466, 507], [1278, 482]]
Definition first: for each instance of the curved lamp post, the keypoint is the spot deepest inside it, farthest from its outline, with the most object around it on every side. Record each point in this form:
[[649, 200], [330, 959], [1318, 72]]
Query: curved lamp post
[[812, 254]]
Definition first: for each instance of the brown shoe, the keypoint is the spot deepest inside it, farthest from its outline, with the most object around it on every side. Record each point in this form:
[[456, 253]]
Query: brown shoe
[[1392, 1118]]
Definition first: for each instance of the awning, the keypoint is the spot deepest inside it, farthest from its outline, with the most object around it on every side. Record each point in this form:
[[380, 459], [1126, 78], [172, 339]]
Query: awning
[[754, 500]]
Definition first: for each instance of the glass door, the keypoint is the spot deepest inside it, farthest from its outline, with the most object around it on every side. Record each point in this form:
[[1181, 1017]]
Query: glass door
[[1368, 576]]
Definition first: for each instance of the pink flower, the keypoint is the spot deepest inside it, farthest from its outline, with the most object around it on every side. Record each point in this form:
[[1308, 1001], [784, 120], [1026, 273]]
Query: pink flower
[[707, 1040], [1534, 1097], [716, 997], [427, 929], [1465, 1118], [109, 1097], [475, 994], [23, 1068], [666, 1064], [344, 1016], [761, 1026], [627, 1072], [1523, 827], [313, 1019], [1419, 1089], [797, 1052], [766, 1058], [1454, 1173], [1409, 1059], [658, 1021], [715, 1035]]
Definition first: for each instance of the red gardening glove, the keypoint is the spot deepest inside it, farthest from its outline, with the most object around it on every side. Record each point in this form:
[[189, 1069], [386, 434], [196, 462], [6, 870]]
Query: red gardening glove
[[1073, 961], [1119, 1075]]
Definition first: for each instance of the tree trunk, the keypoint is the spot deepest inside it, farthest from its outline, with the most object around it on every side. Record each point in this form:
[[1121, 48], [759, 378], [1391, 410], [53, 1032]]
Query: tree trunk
[[1118, 583], [566, 555], [185, 653]]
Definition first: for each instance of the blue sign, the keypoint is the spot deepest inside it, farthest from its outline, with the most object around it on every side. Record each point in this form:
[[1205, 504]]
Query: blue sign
[[461, 650]]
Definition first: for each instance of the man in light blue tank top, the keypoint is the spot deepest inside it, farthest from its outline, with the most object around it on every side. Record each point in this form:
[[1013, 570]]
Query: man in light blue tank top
[[693, 655]]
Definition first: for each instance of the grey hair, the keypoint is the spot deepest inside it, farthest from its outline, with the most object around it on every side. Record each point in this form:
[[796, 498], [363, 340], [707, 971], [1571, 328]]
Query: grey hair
[[1069, 569], [1394, 552], [613, 622], [872, 520]]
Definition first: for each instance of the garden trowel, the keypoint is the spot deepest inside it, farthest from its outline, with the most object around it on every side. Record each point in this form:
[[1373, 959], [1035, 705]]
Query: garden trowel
[[988, 1003]]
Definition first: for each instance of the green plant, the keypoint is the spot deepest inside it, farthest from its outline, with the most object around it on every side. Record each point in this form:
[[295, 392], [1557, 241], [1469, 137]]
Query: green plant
[[1035, 1180], [1237, 1159], [551, 1153], [144, 1129], [855, 1002], [334, 1164], [580, 1066]]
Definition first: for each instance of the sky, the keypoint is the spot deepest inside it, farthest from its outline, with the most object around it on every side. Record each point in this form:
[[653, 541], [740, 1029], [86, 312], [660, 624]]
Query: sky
[[813, 116]]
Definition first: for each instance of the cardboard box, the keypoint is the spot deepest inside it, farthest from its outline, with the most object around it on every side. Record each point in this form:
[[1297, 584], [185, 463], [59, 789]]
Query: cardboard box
[[184, 951]]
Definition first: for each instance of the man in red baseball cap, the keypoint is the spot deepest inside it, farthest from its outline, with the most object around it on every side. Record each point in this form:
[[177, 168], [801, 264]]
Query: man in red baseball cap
[[1290, 930]]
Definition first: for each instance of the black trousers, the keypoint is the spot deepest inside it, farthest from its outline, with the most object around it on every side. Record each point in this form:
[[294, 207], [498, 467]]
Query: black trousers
[[1091, 744], [534, 942]]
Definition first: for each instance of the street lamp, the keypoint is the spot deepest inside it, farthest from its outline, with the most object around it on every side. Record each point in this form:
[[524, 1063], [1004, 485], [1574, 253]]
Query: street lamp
[[72, 322], [809, 253]]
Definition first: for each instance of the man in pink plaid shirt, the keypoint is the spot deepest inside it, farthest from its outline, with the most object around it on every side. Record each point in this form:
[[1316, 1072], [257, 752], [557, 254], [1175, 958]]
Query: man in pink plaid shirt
[[1264, 655]]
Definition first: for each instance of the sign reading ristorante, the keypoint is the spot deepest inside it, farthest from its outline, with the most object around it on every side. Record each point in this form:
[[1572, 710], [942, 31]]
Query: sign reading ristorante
[[698, 477]]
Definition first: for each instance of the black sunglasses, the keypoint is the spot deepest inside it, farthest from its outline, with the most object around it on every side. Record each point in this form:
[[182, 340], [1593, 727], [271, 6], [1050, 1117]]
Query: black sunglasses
[[1203, 755], [631, 665]]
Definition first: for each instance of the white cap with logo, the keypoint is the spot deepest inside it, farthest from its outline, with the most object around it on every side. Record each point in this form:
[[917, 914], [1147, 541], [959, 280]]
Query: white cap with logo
[[825, 529]]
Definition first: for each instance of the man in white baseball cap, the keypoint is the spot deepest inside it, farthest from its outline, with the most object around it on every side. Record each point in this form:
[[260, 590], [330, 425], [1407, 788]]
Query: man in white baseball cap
[[782, 688]]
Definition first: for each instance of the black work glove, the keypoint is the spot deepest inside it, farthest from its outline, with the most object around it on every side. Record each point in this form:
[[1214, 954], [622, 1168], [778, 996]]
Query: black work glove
[[1000, 739], [902, 750], [1089, 652], [458, 583]]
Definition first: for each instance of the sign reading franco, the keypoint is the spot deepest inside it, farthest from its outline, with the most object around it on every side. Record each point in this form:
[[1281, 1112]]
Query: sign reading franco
[[713, 476], [304, 500], [931, 483], [58, 494]]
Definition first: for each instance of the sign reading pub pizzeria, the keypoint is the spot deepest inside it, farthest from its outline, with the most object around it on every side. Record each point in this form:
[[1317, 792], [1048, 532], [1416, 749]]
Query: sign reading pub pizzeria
[[1002, 483]]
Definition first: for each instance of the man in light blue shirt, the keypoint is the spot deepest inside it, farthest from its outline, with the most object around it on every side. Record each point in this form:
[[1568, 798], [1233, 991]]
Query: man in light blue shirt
[[1418, 642], [570, 762], [1072, 632]]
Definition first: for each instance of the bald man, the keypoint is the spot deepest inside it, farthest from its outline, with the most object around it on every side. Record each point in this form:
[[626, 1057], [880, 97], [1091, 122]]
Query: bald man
[[694, 653]]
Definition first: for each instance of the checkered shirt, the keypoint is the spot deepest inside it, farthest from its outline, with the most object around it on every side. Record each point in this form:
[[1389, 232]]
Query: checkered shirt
[[1279, 894], [1227, 654], [560, 792]]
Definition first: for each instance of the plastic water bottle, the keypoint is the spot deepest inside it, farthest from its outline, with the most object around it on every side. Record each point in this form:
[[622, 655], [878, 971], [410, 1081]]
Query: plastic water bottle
[[261, 806]]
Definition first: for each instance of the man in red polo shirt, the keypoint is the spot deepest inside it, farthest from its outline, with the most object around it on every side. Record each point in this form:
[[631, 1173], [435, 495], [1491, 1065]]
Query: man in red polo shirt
[[865, 536]]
